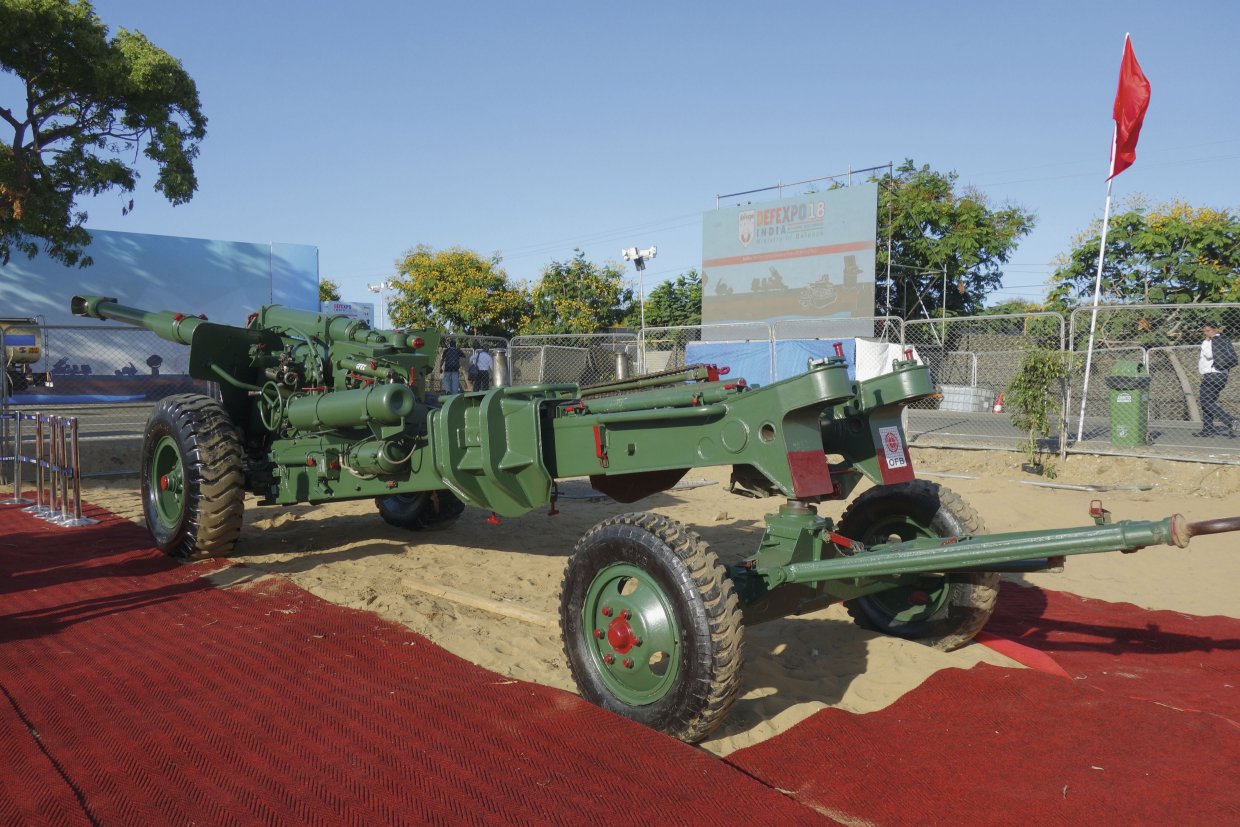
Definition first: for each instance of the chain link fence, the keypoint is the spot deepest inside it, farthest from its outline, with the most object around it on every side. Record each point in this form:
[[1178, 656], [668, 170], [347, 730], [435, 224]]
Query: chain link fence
[[581, 359], [470, 372], [973, 360], [746, 348], [1147, 388], [1143, 393]]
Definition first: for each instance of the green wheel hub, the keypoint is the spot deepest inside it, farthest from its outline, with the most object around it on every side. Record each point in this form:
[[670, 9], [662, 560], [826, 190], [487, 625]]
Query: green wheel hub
[[917, 601], [167, 476], [632, 635]]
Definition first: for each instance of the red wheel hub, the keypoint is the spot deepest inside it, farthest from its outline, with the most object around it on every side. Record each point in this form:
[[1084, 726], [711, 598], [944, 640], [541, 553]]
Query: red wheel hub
[[620, 635], [163, 482]]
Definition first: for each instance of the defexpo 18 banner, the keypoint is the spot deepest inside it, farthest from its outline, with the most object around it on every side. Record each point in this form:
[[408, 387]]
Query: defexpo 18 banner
[[806, 257]]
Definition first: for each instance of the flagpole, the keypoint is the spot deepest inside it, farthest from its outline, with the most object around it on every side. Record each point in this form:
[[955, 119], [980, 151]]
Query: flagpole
[[1093, 317]]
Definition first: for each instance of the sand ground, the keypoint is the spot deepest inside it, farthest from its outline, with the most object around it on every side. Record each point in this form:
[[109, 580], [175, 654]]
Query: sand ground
[[427, 581]]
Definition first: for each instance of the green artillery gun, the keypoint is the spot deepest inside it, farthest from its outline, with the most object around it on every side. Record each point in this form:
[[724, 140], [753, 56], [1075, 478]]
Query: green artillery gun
[[318, 408]]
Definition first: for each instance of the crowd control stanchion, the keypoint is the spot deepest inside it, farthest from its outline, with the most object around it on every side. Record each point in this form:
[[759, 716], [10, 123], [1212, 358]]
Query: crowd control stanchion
[[40, 507], [74, 471], [17, 498], [57, 469]]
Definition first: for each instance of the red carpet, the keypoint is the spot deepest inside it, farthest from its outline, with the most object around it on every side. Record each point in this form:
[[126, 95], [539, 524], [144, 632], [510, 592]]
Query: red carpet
[[1185, 661], [134, 692], [1144, 731]]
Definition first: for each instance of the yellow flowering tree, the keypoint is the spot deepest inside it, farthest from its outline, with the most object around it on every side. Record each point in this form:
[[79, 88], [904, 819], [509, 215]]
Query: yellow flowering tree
[[578, 296], [456, 290], [1170, 253]]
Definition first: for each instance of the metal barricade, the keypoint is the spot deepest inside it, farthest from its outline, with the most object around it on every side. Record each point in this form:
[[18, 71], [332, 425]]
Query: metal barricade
[[57, 465]]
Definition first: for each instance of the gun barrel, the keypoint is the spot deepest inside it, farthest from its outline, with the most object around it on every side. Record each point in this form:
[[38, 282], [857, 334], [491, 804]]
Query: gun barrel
[[1218, 526], [975, 553], [175, 327]]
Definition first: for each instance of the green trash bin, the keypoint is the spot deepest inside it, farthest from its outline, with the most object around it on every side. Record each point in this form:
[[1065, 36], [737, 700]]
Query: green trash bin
[[1130, 403]]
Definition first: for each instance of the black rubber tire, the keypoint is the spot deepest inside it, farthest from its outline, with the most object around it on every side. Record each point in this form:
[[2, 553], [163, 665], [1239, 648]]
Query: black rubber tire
[[208, 449], [922, 509], [424, 510], [702, 604]]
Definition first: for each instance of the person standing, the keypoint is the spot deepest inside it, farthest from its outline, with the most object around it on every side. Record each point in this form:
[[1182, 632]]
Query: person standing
[[1217, 358], [480, 370], [450, 368]]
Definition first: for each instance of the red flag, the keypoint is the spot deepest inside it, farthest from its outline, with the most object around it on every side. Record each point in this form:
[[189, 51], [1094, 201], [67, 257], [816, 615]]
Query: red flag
[[1131, 100]]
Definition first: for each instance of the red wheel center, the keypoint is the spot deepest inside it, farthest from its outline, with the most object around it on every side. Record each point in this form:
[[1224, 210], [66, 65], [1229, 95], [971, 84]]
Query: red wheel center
[[163, 482], [620, 635]]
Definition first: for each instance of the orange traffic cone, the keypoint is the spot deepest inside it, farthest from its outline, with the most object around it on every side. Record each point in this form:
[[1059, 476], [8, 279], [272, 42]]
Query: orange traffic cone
[[999, 404]]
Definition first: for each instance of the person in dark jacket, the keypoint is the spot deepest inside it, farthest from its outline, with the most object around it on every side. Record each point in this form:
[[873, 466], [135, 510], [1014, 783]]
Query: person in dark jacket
[[1217, 358], [450, 368]]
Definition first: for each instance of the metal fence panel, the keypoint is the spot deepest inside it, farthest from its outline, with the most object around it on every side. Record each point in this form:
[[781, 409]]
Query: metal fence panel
[[869, 361], [973, 360], [748, 348], [110, 376], [1145, 385], [580, 359], [468, 346]]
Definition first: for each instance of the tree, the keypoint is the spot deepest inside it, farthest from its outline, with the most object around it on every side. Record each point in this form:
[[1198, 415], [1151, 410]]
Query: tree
[[578, 296], [457, 290], [672, 304], [940, 235], [1167, 254], [1033, 400], [90, 100], [329, 291]]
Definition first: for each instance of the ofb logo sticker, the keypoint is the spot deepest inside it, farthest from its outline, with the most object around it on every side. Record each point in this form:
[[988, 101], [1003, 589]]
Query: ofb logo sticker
[[893, 447], [745, 227]]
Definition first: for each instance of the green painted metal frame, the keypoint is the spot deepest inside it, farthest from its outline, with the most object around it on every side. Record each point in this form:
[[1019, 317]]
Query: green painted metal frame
[[332, 410]]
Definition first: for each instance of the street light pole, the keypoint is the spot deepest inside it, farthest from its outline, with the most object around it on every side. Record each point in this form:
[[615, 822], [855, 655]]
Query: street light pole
[[379, 288], [639, 258]]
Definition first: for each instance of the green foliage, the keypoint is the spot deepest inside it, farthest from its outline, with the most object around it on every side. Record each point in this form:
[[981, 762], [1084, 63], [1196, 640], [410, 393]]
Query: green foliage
[[932, 227], [329, 291], [1033, 397], [1036, 331], [578, 296], [456, 290], [672, 304], [1167, 254], [90, 101]]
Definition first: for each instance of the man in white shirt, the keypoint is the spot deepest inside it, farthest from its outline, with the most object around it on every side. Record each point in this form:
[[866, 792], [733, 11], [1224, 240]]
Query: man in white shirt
[[480, 370], [1217, 357]]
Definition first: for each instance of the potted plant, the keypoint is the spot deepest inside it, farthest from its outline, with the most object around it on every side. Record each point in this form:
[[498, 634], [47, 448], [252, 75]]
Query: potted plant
[[1033, 399]]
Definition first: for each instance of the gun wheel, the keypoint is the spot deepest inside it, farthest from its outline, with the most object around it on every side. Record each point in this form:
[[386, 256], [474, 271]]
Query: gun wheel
[[192, 482], [651, 625], [429, 510], [941, 610]]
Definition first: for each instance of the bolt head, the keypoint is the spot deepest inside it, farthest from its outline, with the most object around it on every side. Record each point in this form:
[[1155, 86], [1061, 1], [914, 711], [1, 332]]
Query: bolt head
[[628, 663], [606, 611], [609, 659], [598, 633]]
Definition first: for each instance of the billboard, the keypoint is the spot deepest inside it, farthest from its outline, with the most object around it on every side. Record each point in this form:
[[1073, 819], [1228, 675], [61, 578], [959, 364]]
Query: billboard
[[86, 360], [354, 310], [807, 257]]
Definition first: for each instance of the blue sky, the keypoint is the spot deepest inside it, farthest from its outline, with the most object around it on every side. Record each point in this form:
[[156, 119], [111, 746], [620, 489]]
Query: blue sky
[[534, 128]]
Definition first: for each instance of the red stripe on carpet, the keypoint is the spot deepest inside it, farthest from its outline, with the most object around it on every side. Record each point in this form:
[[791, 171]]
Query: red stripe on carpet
[[1004, 746], [1024, 655], [134, 692], [1143, 732], [1187, 661]]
